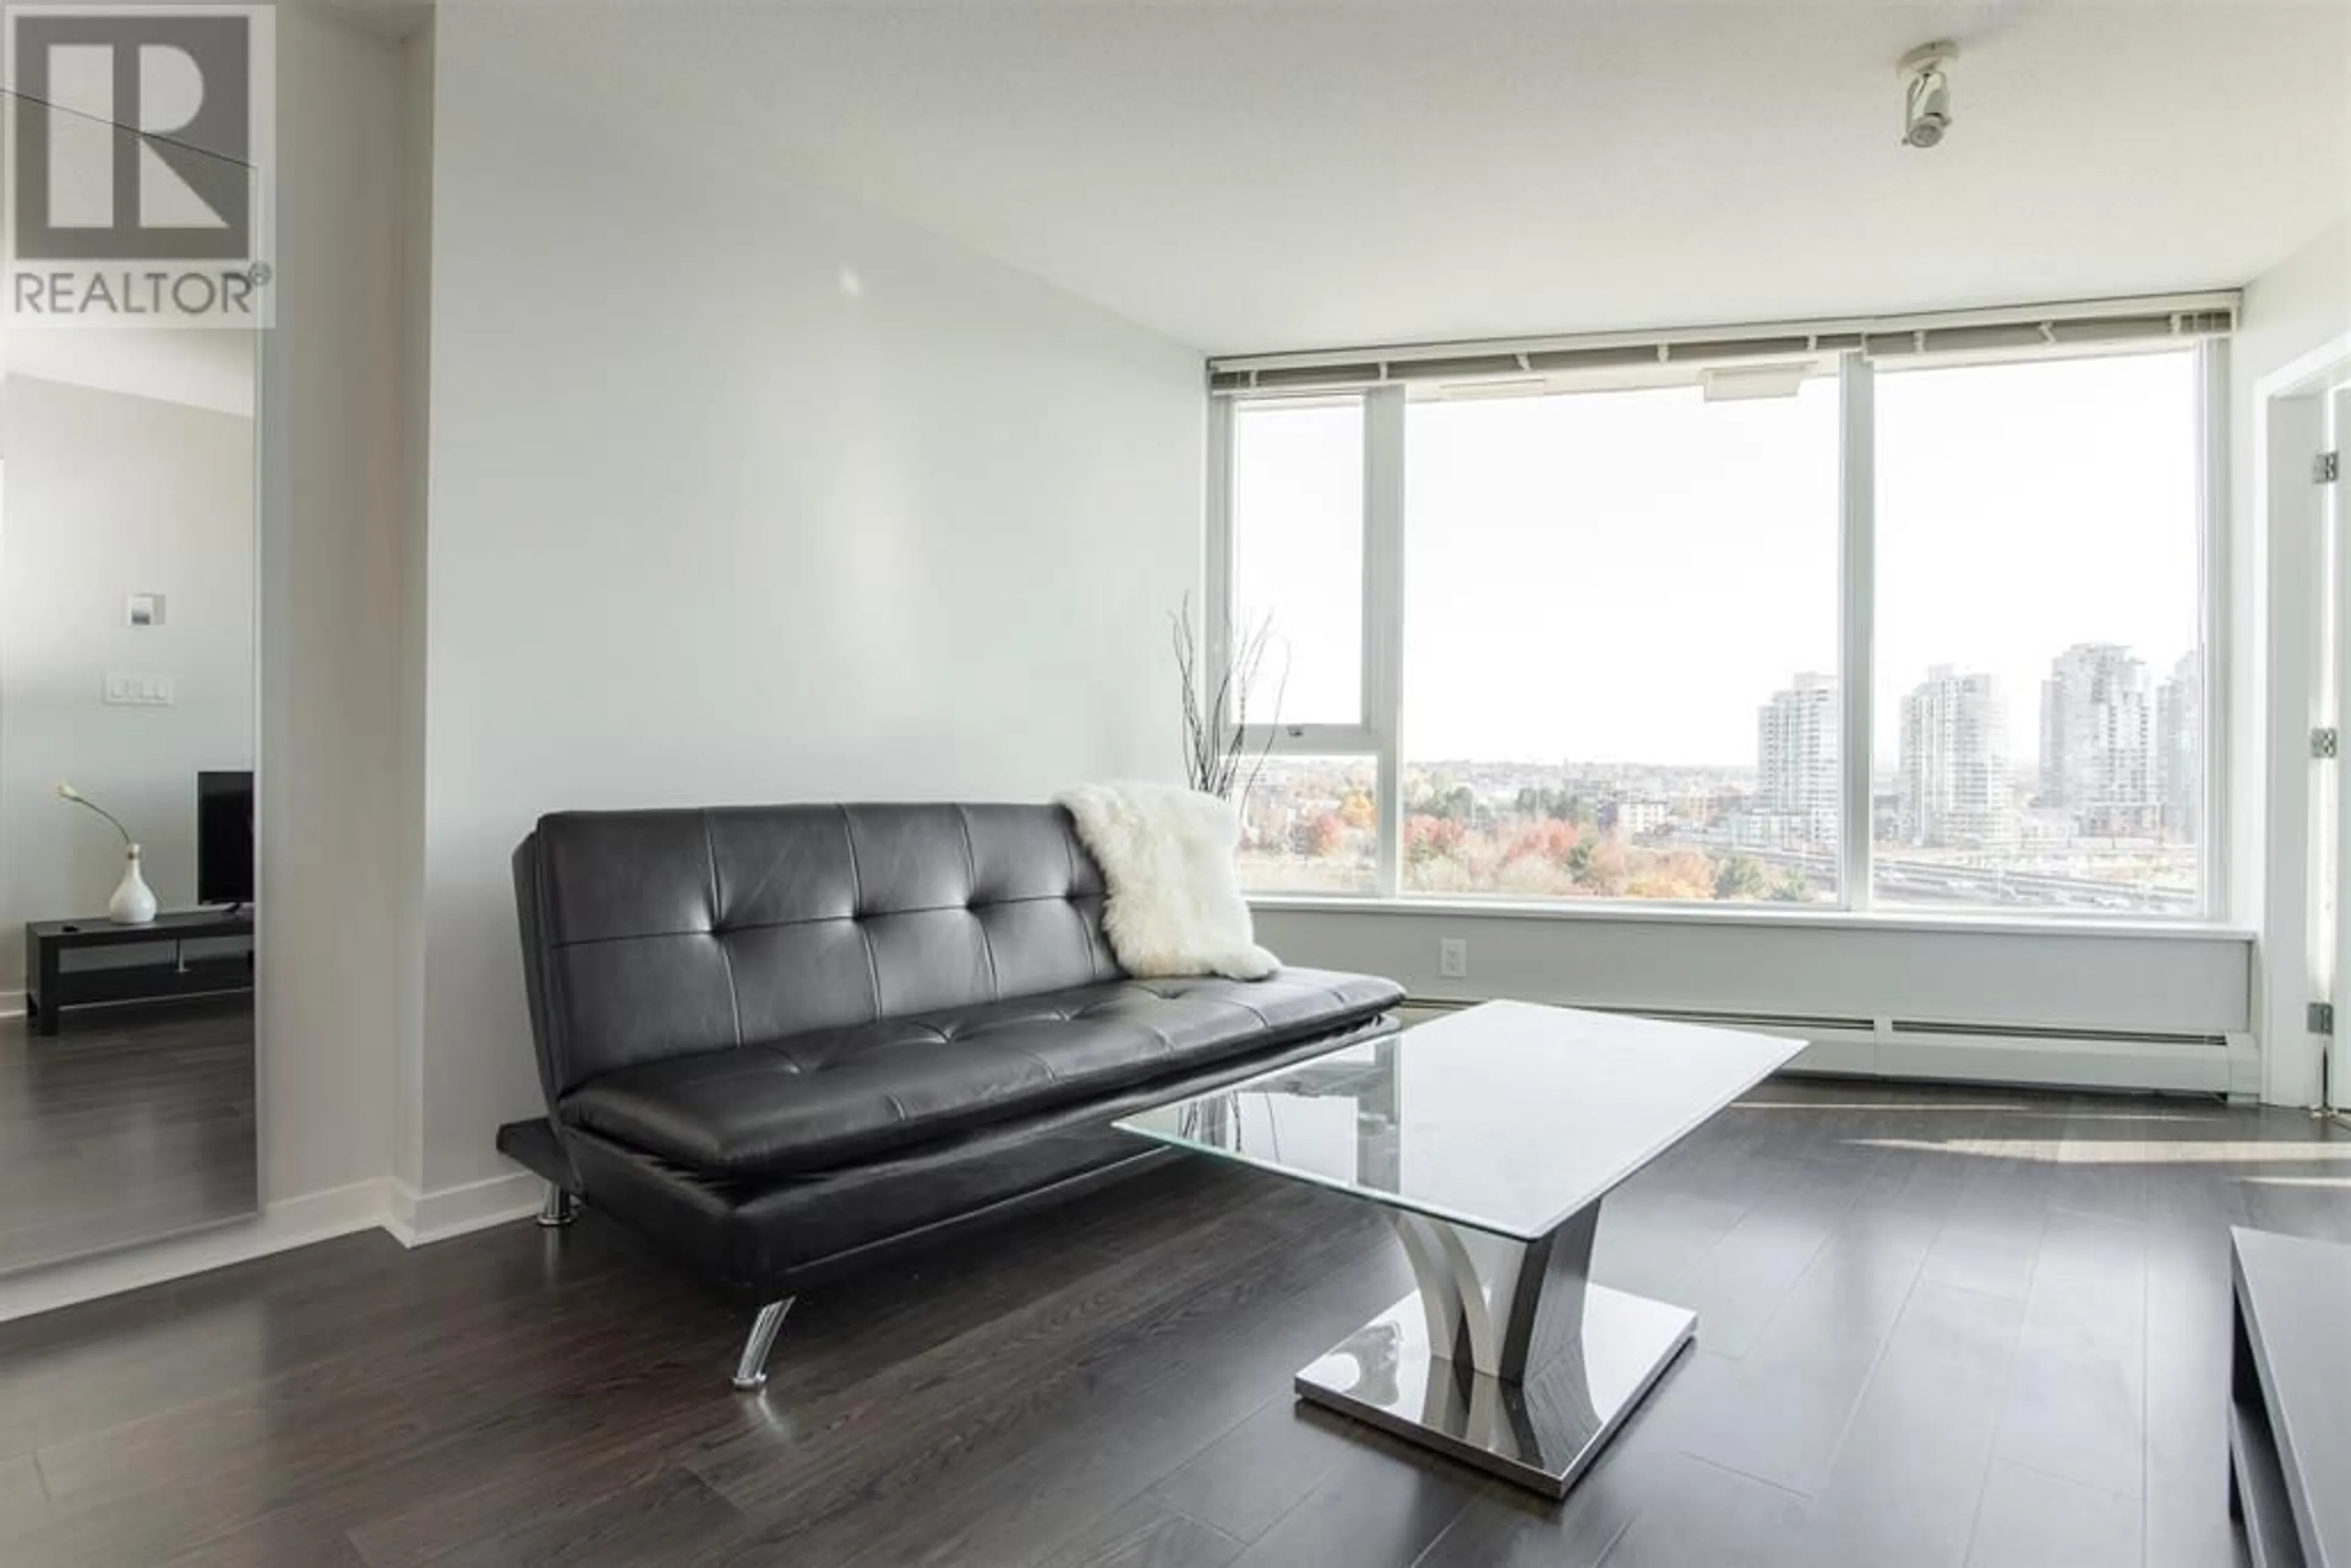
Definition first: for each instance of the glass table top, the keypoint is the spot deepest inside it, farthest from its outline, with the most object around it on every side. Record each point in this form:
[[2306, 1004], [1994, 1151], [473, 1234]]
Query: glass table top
[[1508, 1117]]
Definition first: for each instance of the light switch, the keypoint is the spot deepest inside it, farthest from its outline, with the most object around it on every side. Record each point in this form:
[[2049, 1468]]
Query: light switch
[[129, 690]]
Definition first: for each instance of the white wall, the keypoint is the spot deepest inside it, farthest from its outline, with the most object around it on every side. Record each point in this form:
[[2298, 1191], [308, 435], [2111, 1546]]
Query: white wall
[[2300, 303], [2167, 1010], [743, 491], [197, 365], [416, 455], [102, 495], [331, 506], [2165, 982]]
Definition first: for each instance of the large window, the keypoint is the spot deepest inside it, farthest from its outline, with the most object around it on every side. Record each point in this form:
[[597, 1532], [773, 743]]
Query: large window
[[1624, 620], [1619, 671], [1311, 824], [2039, 731], [1298, 558]]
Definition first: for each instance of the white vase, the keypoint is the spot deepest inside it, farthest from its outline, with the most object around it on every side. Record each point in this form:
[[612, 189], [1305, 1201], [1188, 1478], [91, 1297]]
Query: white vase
[[133, 903]]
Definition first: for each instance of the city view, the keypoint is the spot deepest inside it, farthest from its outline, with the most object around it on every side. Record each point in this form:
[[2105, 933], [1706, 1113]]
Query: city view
[[1617, 610], [2100, 817]]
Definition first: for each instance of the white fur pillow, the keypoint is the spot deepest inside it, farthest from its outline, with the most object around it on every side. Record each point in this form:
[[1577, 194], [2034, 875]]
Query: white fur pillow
[[1174, 905]]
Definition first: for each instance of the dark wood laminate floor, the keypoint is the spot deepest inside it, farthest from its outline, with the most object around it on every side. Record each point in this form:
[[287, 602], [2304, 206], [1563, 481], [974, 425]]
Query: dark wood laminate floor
[[1937, 1326], [128, 1124]]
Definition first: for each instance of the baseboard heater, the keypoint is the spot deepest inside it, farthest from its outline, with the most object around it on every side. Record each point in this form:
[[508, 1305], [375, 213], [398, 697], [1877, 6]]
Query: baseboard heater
[[1964, 1051]]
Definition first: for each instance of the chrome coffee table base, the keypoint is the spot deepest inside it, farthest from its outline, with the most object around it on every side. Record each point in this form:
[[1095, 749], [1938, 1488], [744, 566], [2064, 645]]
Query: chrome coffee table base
[[1507, 1357], [1514, 1122]]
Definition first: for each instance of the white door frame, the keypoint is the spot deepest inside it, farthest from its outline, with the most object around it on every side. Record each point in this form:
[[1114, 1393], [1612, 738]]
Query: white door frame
[[2305, 665]]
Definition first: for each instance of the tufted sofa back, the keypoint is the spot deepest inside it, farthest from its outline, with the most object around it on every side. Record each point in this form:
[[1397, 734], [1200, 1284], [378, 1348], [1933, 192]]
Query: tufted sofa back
[[656, 933]]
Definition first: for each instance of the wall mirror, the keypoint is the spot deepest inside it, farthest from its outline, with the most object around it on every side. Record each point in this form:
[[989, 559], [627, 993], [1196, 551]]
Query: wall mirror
[[128, 567]]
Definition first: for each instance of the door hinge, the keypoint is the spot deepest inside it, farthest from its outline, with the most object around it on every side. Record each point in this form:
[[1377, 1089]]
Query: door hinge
[[2325, 468], [2322, 742], [2322, 1017]]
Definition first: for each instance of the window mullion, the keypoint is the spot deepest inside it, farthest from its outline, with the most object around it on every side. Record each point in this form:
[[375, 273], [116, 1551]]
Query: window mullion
[[1383, 411], [2213, 568], [1857, 605], [1217, 609]]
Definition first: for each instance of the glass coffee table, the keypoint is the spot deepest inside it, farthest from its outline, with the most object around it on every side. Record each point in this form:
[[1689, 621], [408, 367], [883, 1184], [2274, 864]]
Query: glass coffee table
[[1490, 1137]]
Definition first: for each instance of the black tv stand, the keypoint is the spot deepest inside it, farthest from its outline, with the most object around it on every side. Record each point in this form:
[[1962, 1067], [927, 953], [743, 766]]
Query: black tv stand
[[54, 983]]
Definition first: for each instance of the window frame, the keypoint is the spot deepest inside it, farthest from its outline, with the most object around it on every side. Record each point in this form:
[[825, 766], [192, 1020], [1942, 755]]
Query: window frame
[[1381, 665]]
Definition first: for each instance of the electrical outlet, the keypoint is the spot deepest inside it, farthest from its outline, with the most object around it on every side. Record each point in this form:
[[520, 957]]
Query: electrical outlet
[[138, 691], [1452, 959]]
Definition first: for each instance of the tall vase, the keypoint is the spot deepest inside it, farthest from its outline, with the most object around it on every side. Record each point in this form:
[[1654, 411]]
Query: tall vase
[[133, 903]]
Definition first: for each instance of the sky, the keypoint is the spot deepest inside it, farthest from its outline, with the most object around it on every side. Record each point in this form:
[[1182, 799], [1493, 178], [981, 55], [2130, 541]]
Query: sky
[[1627, 576]]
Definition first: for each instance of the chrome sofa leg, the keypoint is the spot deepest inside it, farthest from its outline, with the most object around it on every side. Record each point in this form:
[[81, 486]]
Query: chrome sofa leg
[[751, 1371], [558, 1209]]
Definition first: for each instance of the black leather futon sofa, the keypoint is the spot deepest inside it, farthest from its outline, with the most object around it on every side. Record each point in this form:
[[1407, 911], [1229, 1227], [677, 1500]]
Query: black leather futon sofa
[[778, 1041]]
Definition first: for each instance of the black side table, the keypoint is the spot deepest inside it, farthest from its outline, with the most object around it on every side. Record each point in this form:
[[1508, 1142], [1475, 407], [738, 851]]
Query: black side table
[[2290, 1421], [52, 984]]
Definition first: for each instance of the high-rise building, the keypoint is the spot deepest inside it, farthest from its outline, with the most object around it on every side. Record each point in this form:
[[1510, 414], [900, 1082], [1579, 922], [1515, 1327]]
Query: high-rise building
[[2179, 748], [1954, 762], [1796, 758], [2098, 741]]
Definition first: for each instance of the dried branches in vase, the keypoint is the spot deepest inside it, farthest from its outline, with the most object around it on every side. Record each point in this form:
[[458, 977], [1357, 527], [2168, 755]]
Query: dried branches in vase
[[1217, 758]]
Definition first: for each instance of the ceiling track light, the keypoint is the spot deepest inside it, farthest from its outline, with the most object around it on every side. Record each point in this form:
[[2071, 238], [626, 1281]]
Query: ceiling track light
[[1926, 101]]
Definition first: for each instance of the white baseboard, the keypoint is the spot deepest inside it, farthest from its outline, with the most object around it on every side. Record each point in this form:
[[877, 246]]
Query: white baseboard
[[2053, 1061], [288, 1223], [2244, 1070], [12, 1004], [419, 1219], [413, 1218]]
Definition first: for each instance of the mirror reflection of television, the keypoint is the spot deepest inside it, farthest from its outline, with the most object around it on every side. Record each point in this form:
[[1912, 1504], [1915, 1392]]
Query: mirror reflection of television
[[224, 837]]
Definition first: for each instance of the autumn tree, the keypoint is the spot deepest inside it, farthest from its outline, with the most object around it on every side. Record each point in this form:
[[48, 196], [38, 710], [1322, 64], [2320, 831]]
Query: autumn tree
[[1328, 834], [1428, 837], [1548, 840], [1605, 869], [1740, 876]]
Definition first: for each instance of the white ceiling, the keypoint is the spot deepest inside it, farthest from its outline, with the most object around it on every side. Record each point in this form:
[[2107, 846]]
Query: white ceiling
[[1270, 175]]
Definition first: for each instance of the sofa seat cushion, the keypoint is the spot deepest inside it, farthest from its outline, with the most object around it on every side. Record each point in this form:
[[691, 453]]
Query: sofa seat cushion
[[820, 1101]]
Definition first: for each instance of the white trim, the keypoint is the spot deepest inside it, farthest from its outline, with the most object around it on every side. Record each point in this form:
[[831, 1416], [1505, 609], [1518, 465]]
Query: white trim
[[1216, 593], [419, 1219], [12, 1004], [1857, 622], [2054, 1061], [2335, 512], [2215, 568], [1312, 739], [2287, 429], [2311, 373], [2207, 302], [2244, 1068], [1719, 914], [1384, 598], [281, 1226], [2054, 1058], [411, 1218]]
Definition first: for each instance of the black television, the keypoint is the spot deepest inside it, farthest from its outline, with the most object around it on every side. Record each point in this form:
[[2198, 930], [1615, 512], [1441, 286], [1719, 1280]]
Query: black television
[[224, 837]]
